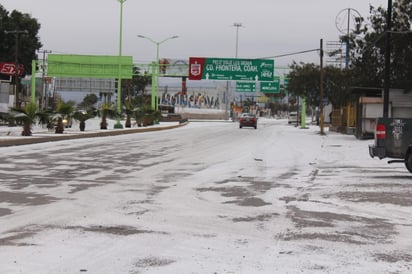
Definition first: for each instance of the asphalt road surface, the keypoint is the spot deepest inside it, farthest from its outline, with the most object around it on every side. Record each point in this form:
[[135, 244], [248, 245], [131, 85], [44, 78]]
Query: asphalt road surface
[[207, 197]]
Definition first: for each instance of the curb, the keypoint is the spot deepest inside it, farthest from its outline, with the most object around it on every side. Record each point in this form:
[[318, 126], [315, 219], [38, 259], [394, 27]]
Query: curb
[[43, 139]]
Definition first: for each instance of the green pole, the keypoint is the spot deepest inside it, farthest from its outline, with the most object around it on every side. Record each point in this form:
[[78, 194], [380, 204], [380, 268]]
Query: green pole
[[33, 81], [303, 113], [119, 81], [157, 74], [154, 84]]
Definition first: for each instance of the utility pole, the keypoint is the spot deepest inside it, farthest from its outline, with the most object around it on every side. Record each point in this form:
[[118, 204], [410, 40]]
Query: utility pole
[[43, 86], [321, 89], [16, 63], [387, 75]]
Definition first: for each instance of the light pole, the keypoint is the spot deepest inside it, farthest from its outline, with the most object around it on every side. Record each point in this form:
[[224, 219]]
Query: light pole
[[229, 90], [119, 80], [237, 26], [156, 70]]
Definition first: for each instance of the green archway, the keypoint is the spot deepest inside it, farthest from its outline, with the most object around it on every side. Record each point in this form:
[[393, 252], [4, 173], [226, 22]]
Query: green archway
[[92, 66]]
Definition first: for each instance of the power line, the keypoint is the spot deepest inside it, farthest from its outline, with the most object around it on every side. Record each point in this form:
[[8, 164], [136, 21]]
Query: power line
[[289, 54]]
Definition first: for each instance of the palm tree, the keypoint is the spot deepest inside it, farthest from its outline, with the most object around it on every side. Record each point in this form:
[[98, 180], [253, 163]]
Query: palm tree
[[28, 116], [129, 110], [105, 111], [82, 116], [139, 115], [146, 116], [59, 125], [47, 118], [64, 113]]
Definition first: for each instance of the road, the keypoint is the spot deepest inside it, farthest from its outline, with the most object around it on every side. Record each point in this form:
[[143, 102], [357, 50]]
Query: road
[[207, 197]]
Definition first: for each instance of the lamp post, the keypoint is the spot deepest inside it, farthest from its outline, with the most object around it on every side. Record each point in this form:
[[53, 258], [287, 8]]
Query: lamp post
[[156, 71], [237, 26], [119, 80], [228, 85]]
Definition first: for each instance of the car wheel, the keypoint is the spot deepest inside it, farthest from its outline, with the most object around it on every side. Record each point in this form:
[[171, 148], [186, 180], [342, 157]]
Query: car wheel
[[240, 126], [255, 127], [408, 161]]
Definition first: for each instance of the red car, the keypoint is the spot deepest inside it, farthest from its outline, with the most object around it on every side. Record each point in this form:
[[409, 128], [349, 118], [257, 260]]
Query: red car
[[248, 120]]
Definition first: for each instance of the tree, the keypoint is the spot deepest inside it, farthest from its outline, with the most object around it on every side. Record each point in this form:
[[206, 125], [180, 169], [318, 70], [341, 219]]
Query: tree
[[82, 116], [368, 42], [337, 86], [128, 109], [28, 116], [139, 82], [146, 115], [64, 112], [304, 81], [66, 109], [88, 101], [86, 110], [105, 111], [28, 43]]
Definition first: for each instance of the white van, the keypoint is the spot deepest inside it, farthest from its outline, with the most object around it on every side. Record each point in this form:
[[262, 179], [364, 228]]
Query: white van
[[293, 117]]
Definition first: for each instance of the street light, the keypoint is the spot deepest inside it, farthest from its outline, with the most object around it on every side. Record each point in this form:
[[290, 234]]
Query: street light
[[237, 26], [156, 71], [119, 80], [229, 90]]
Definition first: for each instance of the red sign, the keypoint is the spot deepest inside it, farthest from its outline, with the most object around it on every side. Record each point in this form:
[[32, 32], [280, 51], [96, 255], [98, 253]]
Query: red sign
[[10, 69], [196, 67]]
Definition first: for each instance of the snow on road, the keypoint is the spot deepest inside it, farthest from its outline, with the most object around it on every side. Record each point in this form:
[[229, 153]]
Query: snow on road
[[204, 198]]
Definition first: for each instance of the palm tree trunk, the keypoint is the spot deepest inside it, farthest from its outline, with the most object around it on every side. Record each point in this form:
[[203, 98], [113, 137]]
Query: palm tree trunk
[[103, 123], [59, 126], [82, 125], [128, 123], [26, 129]]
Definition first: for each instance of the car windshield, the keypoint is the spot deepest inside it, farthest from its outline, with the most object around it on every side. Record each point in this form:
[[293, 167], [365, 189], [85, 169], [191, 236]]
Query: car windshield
[[247, 115]]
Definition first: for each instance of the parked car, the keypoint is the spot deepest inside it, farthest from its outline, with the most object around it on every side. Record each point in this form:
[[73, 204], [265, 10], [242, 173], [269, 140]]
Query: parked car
[[293, 117], [248, 120]]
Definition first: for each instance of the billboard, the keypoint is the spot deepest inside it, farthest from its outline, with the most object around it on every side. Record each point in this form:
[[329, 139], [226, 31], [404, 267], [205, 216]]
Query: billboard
[[10, 69]]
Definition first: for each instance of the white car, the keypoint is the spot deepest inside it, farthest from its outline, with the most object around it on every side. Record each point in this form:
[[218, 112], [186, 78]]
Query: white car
[[293, 117]]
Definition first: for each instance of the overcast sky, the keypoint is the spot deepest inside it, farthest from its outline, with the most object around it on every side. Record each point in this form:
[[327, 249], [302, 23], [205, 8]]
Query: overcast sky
[[205, 28]]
